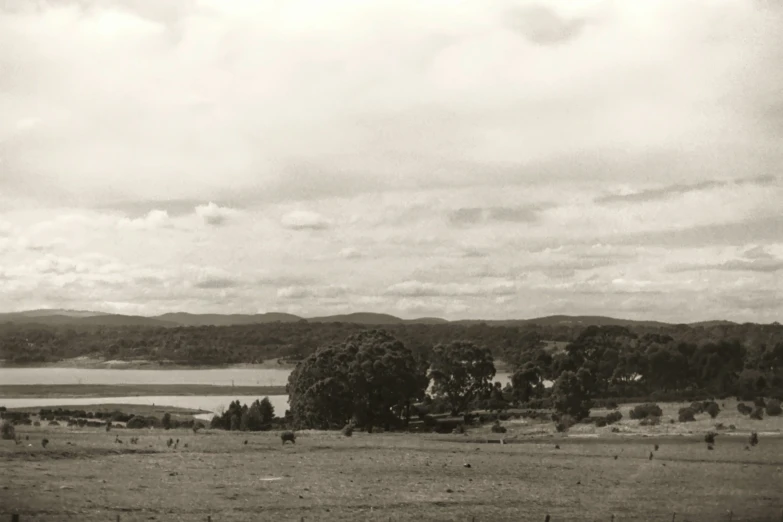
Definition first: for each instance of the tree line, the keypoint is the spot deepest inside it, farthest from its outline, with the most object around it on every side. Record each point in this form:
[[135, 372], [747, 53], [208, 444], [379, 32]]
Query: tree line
[[372, 379]]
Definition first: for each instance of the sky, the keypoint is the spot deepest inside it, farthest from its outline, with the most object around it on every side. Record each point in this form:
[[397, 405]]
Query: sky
[[485, 159]]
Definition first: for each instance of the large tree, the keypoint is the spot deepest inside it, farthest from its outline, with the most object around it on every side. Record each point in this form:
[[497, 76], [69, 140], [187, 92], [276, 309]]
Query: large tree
[[571, 393], [461, 372], [366, 379]]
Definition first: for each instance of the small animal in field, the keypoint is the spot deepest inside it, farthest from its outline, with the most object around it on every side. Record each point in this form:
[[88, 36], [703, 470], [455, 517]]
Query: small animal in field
[[169, 442], [44, 442], [288, 436], [557, 446], [245, 442]]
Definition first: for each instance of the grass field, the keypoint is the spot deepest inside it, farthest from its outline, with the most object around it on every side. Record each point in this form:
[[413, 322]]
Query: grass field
[[84, 475]]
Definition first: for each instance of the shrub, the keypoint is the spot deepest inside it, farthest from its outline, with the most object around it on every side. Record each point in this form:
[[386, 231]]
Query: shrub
[[564, 423], [613, 417], [686, 414], [759, 402], [754, 438], [54, 423], [166, 421], [744, 409], [697, 407], [709, 438], [7, 431], [497, 428], [36, 423], [650, 421], [460, 429], [197, 426], [649, 409], [758, 413], [712, 409], [600, 422], [136, 423], [347, 430], [773, 407]]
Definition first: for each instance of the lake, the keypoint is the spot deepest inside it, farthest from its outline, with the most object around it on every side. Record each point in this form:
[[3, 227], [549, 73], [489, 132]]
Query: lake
[[220, 376]]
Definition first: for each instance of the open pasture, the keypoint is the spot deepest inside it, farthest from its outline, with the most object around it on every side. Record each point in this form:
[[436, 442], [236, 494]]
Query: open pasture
[[86, 475]]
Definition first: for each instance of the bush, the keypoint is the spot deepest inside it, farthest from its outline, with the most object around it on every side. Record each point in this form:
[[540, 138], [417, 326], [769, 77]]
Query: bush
[[712, 409], [648, 409], [744, 409], [759, 402], [686, 414], [754, 438], [613, 417], [564, 423], [497, 428], [347, 430], [709, 438], [136, 423], [758, 413], [600, 422], [7, 431], [54, 423], [773, 407], [697, 407]]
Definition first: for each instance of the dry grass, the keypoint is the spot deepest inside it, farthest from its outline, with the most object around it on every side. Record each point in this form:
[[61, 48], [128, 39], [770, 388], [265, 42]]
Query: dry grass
[[84, 475]]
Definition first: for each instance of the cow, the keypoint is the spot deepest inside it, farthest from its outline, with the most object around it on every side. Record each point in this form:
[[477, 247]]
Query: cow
[[288, 435]]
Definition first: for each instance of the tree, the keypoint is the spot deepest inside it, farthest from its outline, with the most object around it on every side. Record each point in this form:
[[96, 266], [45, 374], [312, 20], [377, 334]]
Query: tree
[[166, 421], [569, 395], [527, 382], [461, 372], [235, 422], [267, 411], [366, 379]]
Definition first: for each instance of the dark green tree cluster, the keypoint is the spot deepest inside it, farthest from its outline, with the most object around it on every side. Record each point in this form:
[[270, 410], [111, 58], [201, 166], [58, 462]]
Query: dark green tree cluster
[[371, 379], [259, 416]]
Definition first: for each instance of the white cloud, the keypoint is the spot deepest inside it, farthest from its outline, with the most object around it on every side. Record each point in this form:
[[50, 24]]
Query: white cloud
[[213, 214], [304, 220], [154, 219]]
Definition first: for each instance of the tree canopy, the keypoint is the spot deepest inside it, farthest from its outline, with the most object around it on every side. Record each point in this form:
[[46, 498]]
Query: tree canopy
[[461, 372]]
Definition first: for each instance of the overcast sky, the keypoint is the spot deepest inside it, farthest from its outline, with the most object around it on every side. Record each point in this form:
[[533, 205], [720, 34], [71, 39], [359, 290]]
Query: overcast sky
[[462, 159]]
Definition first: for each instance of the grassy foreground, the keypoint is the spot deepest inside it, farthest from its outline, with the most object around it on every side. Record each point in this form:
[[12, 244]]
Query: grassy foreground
[[85, 475], [62, 391]]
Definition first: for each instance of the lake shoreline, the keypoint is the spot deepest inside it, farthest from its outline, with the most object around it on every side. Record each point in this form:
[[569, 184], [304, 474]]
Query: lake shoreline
[[89, 363], [15, 391]]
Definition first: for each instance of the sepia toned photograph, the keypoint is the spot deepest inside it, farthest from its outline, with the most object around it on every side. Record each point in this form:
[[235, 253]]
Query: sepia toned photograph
[[391, 260]]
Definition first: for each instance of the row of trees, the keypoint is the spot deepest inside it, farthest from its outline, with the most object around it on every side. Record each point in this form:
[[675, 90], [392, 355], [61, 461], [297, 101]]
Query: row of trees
[[259, 416], [372, 379], [212, 345]]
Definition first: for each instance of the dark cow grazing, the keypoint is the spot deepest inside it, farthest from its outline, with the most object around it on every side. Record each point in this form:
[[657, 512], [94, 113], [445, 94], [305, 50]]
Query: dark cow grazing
[[288, 436], [44, 442]]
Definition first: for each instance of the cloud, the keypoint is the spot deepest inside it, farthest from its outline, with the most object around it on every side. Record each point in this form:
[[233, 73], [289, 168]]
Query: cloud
[[213, 214], [308, 292], [474, 216], [154, 219], [426, 289], [678, 189], [756, 259], [305, 220], [542, 25]]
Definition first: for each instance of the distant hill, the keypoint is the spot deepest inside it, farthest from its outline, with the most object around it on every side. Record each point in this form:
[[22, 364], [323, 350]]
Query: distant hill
[[358, 318], [56, 317], [185, 319]]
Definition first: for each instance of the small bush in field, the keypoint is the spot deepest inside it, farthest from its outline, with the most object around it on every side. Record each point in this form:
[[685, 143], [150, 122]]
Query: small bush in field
[[497, 428], [709, 438], [759, 402], [613, 417], [649, 409], [744, 409], [712, 409], [600, 422], [754, 438], [773, 407], [347, 430], [686, 414], [564, 423], [758, 413], [7, 431], [697, 407]]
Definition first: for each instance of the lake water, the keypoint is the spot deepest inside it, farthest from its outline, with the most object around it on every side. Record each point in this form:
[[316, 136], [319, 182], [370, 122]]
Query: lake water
[[220, 376], [223, 376]]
